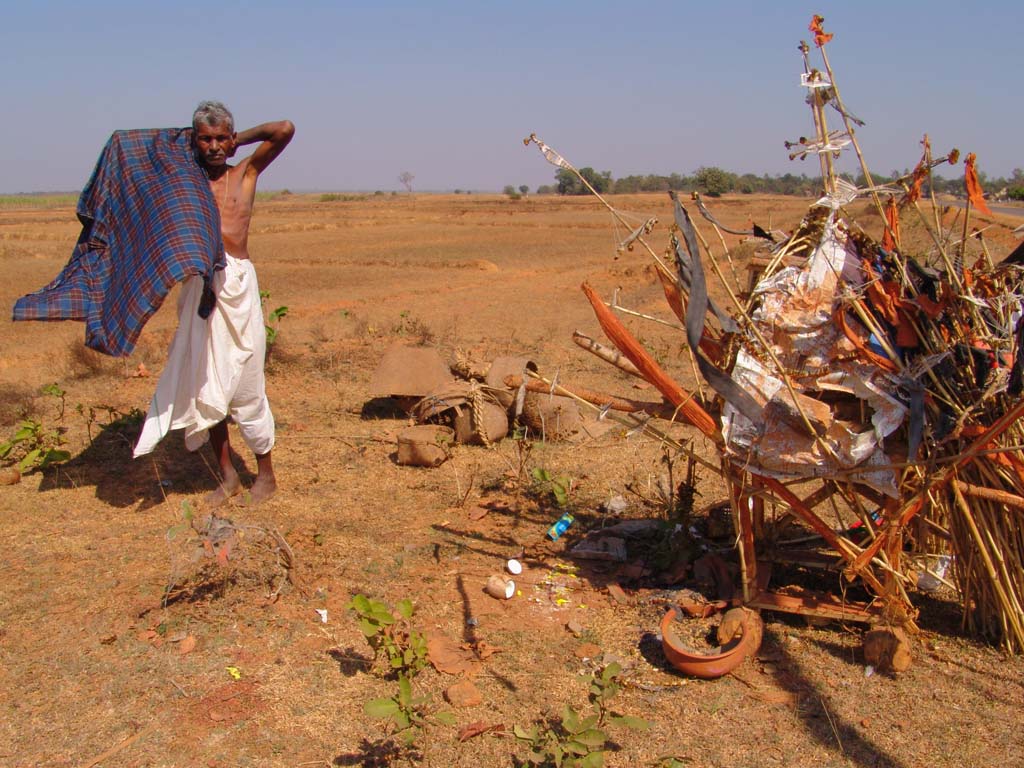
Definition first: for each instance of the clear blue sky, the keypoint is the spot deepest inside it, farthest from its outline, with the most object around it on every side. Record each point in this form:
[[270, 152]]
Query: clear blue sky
[[447, 90]]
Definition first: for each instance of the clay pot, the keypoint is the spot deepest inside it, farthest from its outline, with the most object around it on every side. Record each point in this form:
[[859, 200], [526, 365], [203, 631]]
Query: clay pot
[[495, 424], [452, 406], [550, 417], [709, 666]]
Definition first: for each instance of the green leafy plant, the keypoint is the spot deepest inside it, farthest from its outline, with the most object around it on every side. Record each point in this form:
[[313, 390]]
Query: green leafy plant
[[274, 318], [187, 515], [118, 422], [560, 488], [575, 740], [34, 446], [54, 390], [408, 714], [391, 635]]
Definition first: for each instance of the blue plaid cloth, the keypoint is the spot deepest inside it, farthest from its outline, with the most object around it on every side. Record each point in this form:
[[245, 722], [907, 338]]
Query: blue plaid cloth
[[149, 221]]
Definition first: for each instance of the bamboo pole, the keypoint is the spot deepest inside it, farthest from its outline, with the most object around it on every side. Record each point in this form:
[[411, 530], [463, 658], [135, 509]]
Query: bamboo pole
[[1008, 613], [853, 137], [607, 354]]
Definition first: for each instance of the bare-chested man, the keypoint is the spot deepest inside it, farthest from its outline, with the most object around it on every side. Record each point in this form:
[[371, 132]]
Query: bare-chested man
[[215, 365], [234, 189]]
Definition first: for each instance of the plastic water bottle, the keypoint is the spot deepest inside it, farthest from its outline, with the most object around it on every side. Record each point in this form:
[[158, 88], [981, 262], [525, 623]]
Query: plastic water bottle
[[561, 526]]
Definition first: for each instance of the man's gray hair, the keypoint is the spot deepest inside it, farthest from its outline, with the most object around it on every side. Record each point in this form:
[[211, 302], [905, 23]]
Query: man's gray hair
[[212, 113]]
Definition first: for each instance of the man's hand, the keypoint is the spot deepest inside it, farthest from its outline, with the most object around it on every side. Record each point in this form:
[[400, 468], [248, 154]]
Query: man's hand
[[275, 137]]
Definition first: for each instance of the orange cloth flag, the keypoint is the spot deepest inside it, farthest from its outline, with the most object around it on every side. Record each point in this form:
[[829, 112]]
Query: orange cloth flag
[[891, 236], [921, 170], [974, 193], [820, 35]]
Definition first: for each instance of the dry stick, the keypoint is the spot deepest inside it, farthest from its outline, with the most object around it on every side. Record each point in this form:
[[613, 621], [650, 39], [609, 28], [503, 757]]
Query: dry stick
[[118, 747], [931, 186], [963, 238], [993, 494], [984, 251], [853, 138], [805, 50], [872, 326], [819, 108], [998, 552], [615, 214], [912, 506], [997, 585], [620, 336], [640, 239], [618, 307], [938, 244], [607, 354], [595, 398], [725, 250], [629, 421], [735, 491]]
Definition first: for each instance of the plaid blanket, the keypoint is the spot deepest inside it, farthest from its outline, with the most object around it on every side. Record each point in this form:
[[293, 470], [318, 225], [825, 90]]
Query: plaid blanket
[[149, 220]]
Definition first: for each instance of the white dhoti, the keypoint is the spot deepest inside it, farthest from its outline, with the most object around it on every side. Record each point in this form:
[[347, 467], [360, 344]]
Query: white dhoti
[[215, 366]]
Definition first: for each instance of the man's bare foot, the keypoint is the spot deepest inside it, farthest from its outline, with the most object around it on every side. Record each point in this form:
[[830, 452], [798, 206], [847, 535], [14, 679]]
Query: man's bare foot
[[229, 486], [264, 487]]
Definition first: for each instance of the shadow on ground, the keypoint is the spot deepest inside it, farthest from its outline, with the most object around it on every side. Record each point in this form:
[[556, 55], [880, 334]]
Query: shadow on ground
[[122, 481]]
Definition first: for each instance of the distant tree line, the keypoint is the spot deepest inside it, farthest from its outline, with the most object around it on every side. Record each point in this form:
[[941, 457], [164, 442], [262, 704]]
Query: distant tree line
[[713, 182]]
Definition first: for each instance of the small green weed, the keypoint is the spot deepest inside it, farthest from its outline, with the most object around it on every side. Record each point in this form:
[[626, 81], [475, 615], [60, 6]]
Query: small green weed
[[54, 390], [274, 318], [575, 741], [391, 635], [408, 714], [34, 446], [560, 488], [187, 515]]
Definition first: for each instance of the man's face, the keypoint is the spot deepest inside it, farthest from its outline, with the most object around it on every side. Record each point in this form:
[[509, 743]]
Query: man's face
[[215, 144]]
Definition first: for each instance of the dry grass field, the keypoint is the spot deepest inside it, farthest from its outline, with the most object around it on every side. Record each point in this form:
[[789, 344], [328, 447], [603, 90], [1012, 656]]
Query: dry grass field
[[122, 643]]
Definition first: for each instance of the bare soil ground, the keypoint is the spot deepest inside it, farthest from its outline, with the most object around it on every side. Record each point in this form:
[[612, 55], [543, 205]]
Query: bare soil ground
[[237, 668]]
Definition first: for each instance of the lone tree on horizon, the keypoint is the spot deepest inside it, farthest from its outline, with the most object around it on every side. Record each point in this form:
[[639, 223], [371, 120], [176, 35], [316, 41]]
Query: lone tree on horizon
[[406, 178]]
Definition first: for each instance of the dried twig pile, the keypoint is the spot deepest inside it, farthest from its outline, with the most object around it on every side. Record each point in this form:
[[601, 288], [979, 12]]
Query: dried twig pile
[[857, 378]]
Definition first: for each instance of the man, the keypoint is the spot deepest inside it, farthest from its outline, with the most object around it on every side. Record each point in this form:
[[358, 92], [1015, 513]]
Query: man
[[215, 364]]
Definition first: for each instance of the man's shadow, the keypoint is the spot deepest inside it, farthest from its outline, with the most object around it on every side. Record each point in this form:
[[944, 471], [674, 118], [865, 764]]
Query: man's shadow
[[145, 482]]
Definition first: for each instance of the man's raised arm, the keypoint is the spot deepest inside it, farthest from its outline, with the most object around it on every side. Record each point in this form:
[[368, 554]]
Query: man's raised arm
[[275, 137]]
